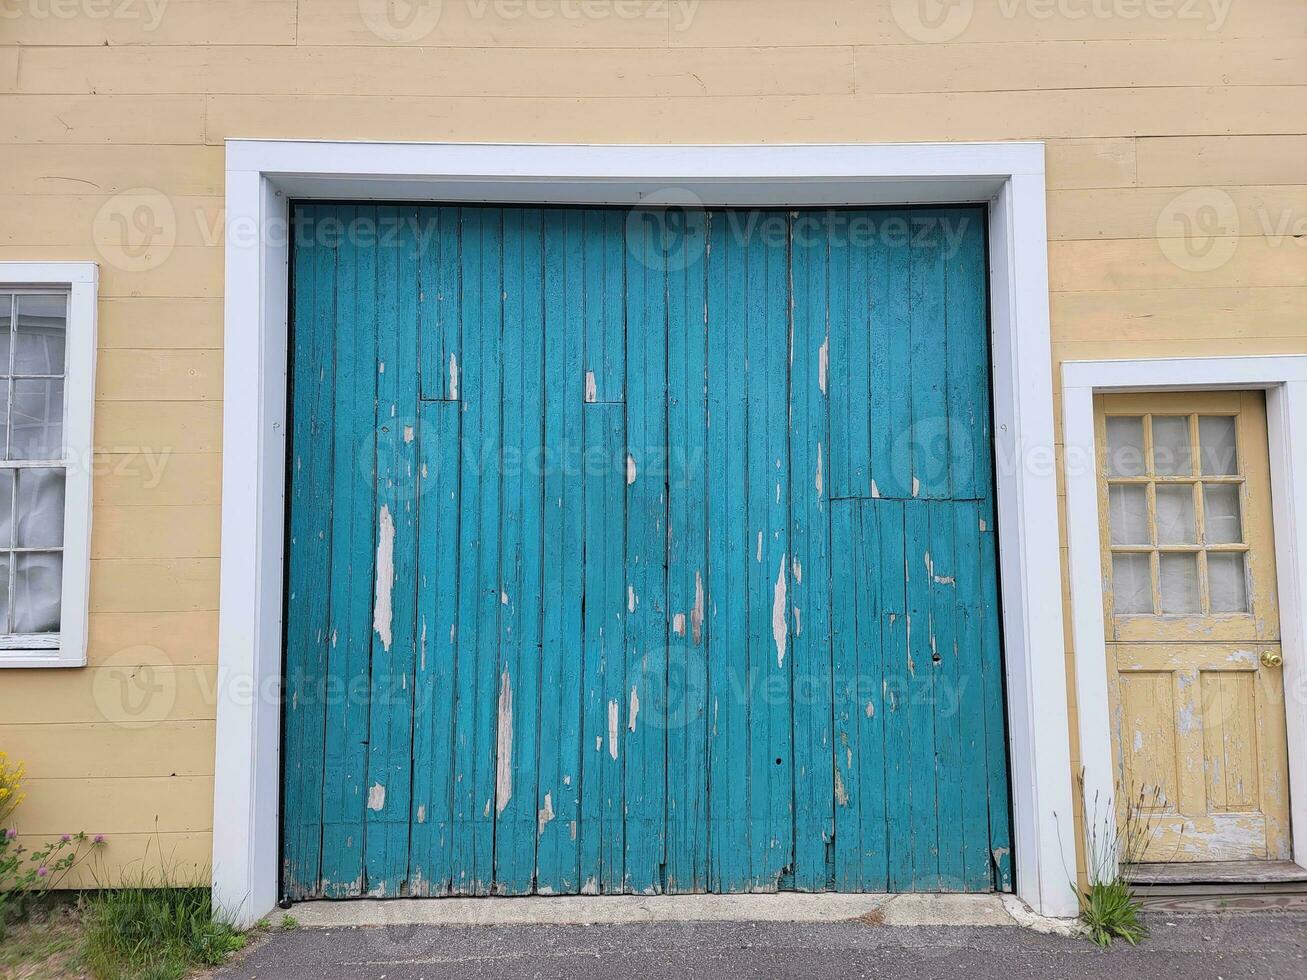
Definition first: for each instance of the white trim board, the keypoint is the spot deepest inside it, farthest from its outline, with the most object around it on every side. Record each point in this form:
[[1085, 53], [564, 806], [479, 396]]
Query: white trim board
[[67, 648], [262, 175], [1284, 378]]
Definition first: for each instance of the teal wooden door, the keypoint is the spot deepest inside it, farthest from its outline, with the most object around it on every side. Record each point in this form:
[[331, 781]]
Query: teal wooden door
[[637, 553]]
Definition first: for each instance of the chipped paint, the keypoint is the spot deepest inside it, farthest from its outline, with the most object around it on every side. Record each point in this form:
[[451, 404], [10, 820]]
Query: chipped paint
[[408, 433], [823, 364], [875, 491], [381, 607], [591, 387], [758, 557], [916, 487], [376, 797], [841, 794], [635, 709], [696, 614], [819, 481], [796, 569], [612, 728], [545, 814], [678, 624], [778, 627], [630, 469], [504, 744], [453, 377], [422, 813], [630, 598]]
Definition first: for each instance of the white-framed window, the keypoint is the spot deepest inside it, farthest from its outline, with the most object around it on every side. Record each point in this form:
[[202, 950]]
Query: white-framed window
[[47, 396]]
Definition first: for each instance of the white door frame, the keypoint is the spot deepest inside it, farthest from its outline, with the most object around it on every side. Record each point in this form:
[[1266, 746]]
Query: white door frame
[[263, 174], [1284, 379]]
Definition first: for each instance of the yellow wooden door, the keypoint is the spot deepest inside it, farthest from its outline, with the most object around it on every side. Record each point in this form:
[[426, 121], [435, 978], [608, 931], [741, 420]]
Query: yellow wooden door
[[1192, 625]]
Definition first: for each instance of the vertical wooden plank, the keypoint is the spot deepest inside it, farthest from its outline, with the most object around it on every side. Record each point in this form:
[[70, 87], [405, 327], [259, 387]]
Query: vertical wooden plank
[[967, 329], [928, 438], [433, 828], [942, 569], [516, 804], [390, 722], [1000, 813], [811, 581], [308, 635], [646, 557], [922, 818], [605, 335], [557, 850], [846, 518], [868, 699], [353, 555], [972, 709], [602, 820], [895, 632], [438, 356], [850, 362], [687, 529], [892, 365], [729, 553]]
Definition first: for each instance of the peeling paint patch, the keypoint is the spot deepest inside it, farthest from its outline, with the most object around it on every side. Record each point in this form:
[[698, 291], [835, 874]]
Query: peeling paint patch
[[503, 598], [871, 710], [823, 364], [545, 813], [408, 433], [630, 598], [381, 609], [635, 708], [841, 794], [796, 569], [696, 614], [875, 491], [759, 556], [778, 629], [916, 487], [678, 624], [820, 482], [612, 728], [630, 469], [422, 813], [504, 744], [376, 797], [453, 377], [591, 388]]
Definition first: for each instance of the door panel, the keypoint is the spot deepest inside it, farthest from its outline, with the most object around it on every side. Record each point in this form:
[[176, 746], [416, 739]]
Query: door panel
[[1199, 719], [620, 570]]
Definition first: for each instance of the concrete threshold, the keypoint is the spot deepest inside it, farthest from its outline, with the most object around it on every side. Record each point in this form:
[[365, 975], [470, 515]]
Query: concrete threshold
[[889, 910]]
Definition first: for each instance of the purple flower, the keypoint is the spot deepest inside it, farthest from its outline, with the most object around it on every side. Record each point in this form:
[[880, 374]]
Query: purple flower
[[11, 833], [98, 839], [66, 838], [42, 871]]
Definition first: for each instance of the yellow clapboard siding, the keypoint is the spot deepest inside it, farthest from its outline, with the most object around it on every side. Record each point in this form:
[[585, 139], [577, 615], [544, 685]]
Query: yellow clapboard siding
[[181, 272], [547, 23], [1141, 212], [50, 219], [1142, 265], [132, 860], [1211, 317], [1222, 160], [157, 478], [154, 584], [154, 22], [1178, 347], [453, 72], [179, 427], [184, 639], [160, 321], [969, 116], [156, 532], [117, 805], [163, 375], [1007, 66], [88, 750], [99, 169], [67, 119], [1074, 163], [749, 22], [124, 690]]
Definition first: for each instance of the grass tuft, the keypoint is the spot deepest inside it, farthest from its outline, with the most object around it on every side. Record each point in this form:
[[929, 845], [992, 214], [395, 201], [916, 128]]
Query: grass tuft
[[1110, 911]]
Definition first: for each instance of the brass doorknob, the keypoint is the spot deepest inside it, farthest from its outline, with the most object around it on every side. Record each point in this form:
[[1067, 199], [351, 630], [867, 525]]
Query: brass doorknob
[[1272, 658]]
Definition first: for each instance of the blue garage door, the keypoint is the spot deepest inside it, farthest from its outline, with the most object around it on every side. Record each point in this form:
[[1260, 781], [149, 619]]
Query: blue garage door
[[638, 552]]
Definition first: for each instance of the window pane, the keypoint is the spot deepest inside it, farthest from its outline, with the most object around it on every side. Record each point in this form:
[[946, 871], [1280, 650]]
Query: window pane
[[4, 593], [6, 515], [1178, 580], [1217, 445], [6, 314], [40, 508], [1227, 582], [1221, 512], [39, 340], [1175, 515], [36, 429], [1132, 585], [1172, 452], [1128, 507], [1125, 446], [38, 579]]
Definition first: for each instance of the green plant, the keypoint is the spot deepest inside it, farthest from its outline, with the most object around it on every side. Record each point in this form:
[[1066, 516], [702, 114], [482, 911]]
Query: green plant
[[288, 921], [1109, 907], [154, 930]]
